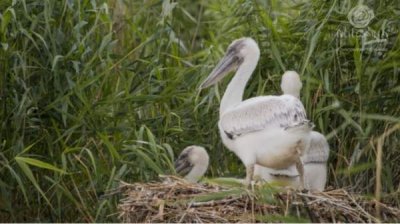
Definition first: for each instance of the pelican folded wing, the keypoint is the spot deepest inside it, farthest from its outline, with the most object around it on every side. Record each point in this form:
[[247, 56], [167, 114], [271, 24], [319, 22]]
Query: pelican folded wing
[[261, 113]]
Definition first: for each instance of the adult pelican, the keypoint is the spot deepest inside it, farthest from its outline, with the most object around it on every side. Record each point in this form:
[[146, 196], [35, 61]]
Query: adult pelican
[[314, 158], [314, 162], [271, 131], [192, 163]]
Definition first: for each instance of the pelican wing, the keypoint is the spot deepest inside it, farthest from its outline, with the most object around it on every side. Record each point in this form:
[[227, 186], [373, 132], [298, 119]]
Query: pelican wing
[[318, 151], [260, 113]]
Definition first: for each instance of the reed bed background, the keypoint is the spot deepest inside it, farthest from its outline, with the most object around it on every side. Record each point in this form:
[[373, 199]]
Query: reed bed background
[[94, 92]]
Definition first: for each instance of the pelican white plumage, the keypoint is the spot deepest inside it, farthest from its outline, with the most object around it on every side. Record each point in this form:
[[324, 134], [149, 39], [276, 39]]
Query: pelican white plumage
[[314, 158], [192, 163], [314, 162], [271, 131]]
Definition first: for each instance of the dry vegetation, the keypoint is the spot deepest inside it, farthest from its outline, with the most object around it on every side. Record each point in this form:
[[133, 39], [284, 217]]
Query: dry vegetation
[[175, 200]]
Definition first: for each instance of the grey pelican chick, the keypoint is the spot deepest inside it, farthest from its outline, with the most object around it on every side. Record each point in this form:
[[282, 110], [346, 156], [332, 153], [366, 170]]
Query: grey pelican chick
[[192, 163], [315, 162], [271, 131], [315, 157]]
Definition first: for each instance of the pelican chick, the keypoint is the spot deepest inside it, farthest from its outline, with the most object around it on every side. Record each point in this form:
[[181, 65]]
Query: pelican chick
[[291, 84], [315, 157], [315, 162], [192, 163], [271, 131]]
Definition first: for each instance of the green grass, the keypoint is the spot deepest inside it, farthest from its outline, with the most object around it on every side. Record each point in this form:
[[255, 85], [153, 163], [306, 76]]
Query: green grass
[[93, 92]]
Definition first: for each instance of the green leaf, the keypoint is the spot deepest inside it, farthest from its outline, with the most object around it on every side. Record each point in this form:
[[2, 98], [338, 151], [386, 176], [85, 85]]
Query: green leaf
[[6, 18], [38, 163], [20, 183], [28, 173], [356, 169], [154, 166], [235, 192], [113, 151], [55, 60]]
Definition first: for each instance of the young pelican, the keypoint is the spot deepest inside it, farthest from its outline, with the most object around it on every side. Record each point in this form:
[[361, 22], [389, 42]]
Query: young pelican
[[315, 167], [271, 131], [314, 158], [192, 163]]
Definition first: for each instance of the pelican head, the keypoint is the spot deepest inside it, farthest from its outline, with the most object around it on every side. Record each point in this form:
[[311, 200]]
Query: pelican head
[[291, 83], [192, 163], [239, 52]]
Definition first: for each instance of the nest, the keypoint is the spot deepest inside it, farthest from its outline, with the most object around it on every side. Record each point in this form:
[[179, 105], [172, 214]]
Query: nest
[[175, 200]]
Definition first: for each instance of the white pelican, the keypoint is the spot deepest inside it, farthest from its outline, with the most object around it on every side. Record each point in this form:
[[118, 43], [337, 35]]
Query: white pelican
[[271, 131], [192, 163], [314, 158]]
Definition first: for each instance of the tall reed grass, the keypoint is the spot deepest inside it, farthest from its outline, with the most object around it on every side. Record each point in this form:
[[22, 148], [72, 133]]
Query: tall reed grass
[[93, 92]]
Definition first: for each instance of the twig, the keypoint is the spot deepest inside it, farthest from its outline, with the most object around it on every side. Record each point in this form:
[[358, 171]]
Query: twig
[[362, 210], [308, 210]]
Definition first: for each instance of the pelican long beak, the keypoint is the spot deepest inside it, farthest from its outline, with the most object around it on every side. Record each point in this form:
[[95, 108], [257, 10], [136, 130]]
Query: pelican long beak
[[228, 63]]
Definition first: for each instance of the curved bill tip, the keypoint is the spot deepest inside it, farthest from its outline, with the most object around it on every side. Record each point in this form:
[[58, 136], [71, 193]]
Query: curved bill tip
[[228, 63], [312, 125], [203, 85]]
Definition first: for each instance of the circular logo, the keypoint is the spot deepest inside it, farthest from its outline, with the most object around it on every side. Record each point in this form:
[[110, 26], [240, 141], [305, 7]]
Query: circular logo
[[360, 16]]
